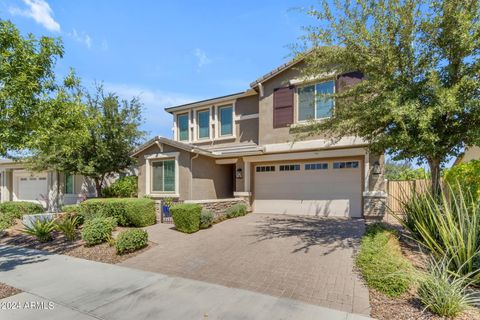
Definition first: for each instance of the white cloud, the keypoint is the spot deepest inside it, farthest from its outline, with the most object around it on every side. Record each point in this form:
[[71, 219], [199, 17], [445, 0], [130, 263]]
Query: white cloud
[[40, 11], [157, 120], [81, 37], [202, 58]]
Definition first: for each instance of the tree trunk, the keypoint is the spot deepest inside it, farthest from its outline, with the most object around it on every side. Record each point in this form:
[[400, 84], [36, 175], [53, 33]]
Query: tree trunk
[[435, 176], [98, 186]]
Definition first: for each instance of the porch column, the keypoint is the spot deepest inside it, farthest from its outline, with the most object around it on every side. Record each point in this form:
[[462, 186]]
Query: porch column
[[53, 202], [5, 185]]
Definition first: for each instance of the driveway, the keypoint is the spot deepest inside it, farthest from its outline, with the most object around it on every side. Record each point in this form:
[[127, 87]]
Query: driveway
[[63, 287], [303, 258]]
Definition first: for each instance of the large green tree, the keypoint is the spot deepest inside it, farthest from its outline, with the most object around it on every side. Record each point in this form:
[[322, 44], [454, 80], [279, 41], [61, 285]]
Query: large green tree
[[420, 95], [27, 81], [94, 137]]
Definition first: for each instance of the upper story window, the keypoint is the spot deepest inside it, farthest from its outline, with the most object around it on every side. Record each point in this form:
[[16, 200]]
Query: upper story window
[[203, 120], [182, 123], [226, 120], [311, 103]]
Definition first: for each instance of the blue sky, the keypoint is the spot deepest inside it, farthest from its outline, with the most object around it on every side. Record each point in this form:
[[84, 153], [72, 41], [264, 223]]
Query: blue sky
[[167, 52]]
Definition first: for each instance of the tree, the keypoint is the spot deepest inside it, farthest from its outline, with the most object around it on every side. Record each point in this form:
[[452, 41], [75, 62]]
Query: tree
[[420, 95], [94, 139], [403, 171], [27, 81]]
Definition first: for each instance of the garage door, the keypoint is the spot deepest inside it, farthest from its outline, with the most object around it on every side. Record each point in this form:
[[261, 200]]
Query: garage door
[[316, 188], [31, 187]]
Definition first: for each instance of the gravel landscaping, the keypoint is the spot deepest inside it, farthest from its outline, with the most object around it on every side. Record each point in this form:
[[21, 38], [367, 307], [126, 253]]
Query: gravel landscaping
[[7, 291], [59, 245]]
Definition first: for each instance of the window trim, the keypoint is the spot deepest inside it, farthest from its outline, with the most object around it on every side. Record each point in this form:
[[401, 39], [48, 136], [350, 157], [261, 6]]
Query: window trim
[[219, 121], [197, 124], [148, 174], [177, 126], [297, 100]]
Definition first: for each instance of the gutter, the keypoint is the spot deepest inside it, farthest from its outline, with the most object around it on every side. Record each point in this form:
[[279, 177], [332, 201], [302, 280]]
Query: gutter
[[191, 172]]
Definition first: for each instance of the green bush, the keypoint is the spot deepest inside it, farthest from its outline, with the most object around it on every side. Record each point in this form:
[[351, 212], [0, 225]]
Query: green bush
[[131, 240], [71, 208], [237, 210], [68, 226], [9, 211], [136, 212], [444, 293], [381, 261], [41, 229], [206, 219], [98, 230], [448, 226], [465, 176], [125, 187], [186, 217]]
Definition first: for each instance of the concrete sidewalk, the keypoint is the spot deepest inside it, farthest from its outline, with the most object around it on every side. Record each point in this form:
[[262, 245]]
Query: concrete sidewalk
[[82, 289]]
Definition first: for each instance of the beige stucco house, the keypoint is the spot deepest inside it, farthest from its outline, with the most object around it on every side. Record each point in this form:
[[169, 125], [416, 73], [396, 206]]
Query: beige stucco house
[[239, 146], [471, 153], [51, 189]]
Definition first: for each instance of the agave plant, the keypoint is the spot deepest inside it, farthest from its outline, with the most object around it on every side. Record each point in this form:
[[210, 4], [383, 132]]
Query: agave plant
[[41, 229]]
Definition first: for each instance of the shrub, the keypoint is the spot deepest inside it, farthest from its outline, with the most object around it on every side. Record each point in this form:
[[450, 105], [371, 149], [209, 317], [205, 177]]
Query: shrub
[[68, 226], [125, 187], [98, 230], [465, 176], [71, 208], [444, 293], [186, 217], [131, 240], [448, 226], [381, 261], [237, 210], [136, 212], [41, 229], [9, 211], [206, 219]]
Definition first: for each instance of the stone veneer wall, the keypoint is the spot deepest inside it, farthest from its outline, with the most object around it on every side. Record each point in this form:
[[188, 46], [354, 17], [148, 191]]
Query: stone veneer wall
[[218, 206], [374, 207]]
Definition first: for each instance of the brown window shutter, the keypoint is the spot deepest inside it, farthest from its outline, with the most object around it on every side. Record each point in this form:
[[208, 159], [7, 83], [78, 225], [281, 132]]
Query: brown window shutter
[[283, 106], [348, 80]]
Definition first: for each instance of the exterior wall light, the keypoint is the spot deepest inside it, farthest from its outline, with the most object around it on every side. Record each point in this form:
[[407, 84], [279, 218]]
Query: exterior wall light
[[376, 168], [239, 173]]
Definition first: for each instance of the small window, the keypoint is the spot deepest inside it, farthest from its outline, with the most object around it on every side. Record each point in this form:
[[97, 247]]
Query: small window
[[42, 178], [69, 184], [163, 176], [226, 120], [182, 124], [343, 165], [316, 166], [265, 169], [203, 120], [23, 179], [290, 167]]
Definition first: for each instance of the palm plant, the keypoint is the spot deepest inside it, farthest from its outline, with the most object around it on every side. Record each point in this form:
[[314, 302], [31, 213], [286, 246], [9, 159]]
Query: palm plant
[[41, 229], [68, 226]]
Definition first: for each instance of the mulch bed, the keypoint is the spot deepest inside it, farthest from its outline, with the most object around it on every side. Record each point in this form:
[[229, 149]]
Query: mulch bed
[[7, 291], [408, 306], [59, 245]]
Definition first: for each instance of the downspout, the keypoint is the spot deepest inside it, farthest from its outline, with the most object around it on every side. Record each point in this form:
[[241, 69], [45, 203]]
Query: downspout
[[191, 172]]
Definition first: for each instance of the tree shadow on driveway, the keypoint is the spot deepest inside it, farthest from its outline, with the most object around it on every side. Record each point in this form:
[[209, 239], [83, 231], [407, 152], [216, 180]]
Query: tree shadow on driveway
[[11, 257], [329, 233]]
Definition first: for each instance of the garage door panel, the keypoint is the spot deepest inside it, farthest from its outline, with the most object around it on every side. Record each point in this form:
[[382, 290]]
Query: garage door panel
[[325, 192], [31, 187]]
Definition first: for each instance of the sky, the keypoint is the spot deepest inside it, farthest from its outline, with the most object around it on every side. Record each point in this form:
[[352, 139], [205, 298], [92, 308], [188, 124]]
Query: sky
[[165, 52]]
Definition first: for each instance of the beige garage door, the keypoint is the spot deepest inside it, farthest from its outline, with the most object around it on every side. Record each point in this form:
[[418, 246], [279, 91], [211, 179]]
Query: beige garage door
[[315, 188], [31, 187]]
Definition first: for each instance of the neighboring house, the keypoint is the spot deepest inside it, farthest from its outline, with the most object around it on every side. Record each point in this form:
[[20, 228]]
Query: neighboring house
[[240, 146], [471, 153], [49, 188]]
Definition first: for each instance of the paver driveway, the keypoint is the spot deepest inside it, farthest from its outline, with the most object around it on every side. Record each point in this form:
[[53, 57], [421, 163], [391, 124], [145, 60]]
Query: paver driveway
[[304, 258]]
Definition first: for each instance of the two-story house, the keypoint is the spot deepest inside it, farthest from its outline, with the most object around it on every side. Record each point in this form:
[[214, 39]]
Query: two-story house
[[240, 146]]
